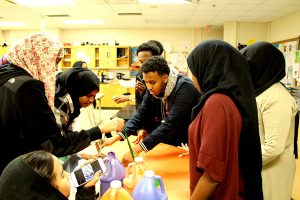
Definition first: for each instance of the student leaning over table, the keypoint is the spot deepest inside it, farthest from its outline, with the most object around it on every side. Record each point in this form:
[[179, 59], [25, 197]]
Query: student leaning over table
[[177, 95], [39, 175], [76, 88], [27, 86], [224, 146]]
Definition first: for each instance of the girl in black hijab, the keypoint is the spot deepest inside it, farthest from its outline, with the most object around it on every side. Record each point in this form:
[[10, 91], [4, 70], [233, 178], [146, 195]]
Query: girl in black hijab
[[76, 88], [76, 82], [223, 137], [276, 114], [39, 175], [80, 64]]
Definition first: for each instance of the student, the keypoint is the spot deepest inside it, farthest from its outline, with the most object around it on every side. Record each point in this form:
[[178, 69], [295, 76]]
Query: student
[[224, 145], [144, 51], [39, 175], [276, 114], [177, 96], [80, 64], [76, 88], [27, 87]]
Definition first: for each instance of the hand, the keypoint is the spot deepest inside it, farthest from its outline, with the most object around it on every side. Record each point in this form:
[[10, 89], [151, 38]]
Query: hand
[[140, 87], [140, 136], [93, 181], [121, 98], [109, 141], [127, 158], [87, 156], [115, 124], [184, 147]]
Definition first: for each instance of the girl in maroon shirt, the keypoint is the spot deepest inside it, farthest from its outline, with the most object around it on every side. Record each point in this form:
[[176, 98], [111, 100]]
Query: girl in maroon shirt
[[224, 145]]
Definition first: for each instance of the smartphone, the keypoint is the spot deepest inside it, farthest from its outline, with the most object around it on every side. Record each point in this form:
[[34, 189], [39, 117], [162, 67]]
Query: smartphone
[[86, 173], [139, 78]]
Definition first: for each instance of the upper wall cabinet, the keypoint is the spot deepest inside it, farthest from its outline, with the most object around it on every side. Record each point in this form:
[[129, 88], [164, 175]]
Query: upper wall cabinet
[[112, 56], [104, 57]]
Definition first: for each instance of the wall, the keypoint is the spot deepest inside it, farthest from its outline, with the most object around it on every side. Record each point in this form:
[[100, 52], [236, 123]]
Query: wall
[[252, 32], [132, 37], [285, 28], [11, 36]]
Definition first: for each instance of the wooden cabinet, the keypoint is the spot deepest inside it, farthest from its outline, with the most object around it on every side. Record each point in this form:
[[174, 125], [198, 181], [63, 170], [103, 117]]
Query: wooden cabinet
[[102, 57], [84, 53], [3, 50], [67, 59], [109, 91], [112, 56]]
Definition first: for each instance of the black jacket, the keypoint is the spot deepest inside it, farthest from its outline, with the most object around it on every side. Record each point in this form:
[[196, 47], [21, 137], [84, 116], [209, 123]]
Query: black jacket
[[174, 129], [27, 122]]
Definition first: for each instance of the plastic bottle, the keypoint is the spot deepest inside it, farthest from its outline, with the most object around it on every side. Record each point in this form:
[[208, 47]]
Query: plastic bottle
[[115, 171], [116, 192], [146, 189], [135, 172]]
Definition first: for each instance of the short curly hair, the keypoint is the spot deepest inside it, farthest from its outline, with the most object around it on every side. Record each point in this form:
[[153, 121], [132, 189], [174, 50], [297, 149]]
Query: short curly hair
[[147, 46], [158, 44], [156, 64]]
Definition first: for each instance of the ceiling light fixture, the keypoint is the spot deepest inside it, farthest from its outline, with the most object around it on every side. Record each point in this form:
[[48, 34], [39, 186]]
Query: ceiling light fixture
[[83, 22], [44, 2], [12, 24], [164, 1]]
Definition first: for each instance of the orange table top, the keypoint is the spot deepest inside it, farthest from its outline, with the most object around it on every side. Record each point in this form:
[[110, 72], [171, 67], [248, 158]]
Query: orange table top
[[164, 161]]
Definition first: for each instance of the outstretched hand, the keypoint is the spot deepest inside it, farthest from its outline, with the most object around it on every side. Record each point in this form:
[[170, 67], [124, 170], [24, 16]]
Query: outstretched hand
[[116, 124], [184, 147]]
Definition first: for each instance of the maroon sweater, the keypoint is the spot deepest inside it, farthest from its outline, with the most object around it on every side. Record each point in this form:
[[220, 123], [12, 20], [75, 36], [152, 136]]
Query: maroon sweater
[[213, 144]]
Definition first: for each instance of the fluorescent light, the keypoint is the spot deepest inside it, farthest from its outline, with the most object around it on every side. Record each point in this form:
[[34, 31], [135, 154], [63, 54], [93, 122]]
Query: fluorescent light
[[163, 1], [81, 22], [44, 2], [12, 24]]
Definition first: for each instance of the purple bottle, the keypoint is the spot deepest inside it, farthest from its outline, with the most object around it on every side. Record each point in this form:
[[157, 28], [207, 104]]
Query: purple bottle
[[115, 171], [146, 189]]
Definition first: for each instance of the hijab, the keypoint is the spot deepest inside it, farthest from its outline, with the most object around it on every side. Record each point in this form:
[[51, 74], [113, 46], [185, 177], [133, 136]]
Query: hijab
[[37, 54], [19, 181], [78, 64], [267, 65], [78, 82], [220, 68]]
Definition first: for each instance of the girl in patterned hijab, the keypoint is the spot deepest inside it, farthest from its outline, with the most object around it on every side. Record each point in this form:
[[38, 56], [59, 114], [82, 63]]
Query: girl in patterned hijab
[[38, 54]]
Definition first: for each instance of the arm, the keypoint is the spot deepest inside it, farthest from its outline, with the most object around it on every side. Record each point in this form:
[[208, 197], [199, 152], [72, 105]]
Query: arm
[[137, 121], [206, 186], [181, 101], [277, 115], [40, 125]]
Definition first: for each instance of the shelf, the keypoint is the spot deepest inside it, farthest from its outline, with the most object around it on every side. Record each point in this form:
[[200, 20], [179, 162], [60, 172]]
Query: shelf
[[104, 68]]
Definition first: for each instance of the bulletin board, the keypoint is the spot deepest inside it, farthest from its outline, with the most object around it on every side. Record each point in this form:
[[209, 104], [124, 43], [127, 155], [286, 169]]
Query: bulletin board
[[290, 50]]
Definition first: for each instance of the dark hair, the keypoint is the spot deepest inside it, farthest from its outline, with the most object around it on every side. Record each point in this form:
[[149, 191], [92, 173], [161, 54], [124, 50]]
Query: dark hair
[[42, 163], [78, 63], [156, 64], [150, 46], [158, 44]]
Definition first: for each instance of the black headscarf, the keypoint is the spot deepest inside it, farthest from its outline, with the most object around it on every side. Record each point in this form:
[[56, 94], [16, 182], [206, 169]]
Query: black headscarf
[[267, 65], [78, 64], [220, 68], [78, 82], [19, 181]]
